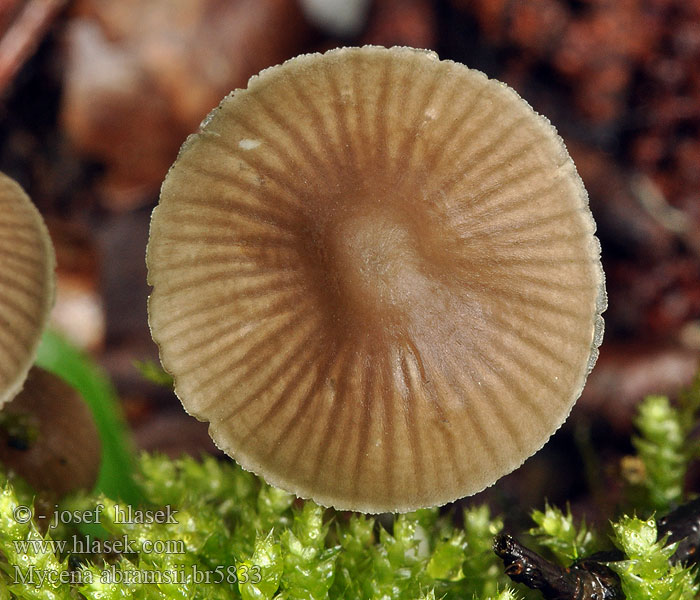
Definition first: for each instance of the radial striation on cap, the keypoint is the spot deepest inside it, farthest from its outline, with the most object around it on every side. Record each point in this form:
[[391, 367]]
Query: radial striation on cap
[[26, 285], [375, 274]]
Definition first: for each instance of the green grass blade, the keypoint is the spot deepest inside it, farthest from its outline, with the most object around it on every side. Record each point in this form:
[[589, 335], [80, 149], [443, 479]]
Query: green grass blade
[[116, 477]]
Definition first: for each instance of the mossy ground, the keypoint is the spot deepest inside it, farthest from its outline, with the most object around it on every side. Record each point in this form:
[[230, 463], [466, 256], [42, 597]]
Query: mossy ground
[[230, 535]]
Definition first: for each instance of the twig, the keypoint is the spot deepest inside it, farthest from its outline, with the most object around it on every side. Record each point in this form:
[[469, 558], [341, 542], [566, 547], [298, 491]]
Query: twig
[[23, 36], [8, 10], [674, 220]]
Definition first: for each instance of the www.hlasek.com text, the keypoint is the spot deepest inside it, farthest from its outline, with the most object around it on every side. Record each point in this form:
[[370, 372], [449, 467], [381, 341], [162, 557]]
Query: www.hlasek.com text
[[79, 545]]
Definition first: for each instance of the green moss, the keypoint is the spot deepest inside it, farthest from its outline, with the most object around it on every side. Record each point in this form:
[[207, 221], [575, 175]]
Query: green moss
[[556, 531], [662, 449], [665, 448], [647, 573], [206, 529], [232, 536], [29, 569]]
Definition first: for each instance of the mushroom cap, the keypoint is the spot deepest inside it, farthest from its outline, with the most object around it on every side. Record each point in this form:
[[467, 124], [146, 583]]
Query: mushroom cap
[[375, 274], [27, 283], [49, 437]]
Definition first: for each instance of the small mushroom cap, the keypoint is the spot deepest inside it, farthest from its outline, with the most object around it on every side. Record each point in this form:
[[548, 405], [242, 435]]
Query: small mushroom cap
[[27, 284], [48, 436], [375, 274]]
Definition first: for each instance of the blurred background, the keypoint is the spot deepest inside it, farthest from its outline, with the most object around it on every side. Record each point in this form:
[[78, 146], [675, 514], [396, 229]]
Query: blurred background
[[96, 97]]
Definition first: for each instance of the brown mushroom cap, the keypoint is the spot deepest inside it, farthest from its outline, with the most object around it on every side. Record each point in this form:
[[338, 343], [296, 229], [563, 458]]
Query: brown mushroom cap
[[375, 274], [26, 285], [49, 437]]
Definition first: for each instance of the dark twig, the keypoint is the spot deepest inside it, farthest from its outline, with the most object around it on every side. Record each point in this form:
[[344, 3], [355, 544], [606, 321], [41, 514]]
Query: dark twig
[[587, 579], [682, 525]]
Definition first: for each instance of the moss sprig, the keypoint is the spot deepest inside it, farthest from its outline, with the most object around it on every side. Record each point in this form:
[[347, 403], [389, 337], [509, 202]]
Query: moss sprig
[[662, 448], [647, 573], [556, 531], [665, 447]]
